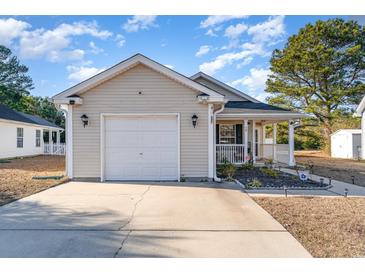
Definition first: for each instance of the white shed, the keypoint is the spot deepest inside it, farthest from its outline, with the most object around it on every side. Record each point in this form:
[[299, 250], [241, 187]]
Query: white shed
[[346, 143]]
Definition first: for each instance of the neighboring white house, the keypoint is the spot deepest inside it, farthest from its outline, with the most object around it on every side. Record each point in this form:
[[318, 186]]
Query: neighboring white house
[[140, 120], [23, 135], [346, 143]]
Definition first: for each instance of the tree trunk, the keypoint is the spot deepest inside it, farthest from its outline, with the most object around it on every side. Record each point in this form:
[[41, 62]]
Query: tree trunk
[[327, 138]]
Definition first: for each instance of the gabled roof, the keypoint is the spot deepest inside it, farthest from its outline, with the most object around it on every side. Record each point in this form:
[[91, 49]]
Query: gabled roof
[[129, 63], [7, 113], [223, 85]]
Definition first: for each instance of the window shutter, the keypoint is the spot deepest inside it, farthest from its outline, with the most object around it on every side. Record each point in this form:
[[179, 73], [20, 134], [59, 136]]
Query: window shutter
[[217, 133], [239, 134]]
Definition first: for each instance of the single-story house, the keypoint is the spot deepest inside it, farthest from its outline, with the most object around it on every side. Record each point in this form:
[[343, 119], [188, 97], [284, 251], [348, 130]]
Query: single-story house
[[23, 134], [360, 113], [346, 143], [140, 120]]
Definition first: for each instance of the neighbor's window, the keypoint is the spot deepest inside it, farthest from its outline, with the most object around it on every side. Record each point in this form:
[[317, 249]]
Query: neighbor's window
[[37, 138], [19, 137], [227, 134]]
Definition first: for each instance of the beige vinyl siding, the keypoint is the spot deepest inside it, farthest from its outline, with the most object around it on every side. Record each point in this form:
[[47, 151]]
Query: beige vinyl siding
[[227, 94], [159, 95]]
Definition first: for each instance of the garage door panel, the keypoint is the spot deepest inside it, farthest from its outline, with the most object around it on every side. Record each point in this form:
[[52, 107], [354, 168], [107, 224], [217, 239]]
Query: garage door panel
[[141, 148]]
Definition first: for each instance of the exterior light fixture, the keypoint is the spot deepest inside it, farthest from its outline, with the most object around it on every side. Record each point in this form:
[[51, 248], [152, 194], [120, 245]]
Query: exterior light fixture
[[85, 120], [194, 120]]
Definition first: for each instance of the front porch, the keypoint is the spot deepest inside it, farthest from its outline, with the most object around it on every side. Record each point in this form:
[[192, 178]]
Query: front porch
[[240, 141]]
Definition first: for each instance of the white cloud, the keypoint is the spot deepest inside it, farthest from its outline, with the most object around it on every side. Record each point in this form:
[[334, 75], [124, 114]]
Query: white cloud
[[261, 96], [120, 40], [245, 62], [273, 28], [140, 22], [95, 49], [49, 43], [213, 20], [227, 59], [58, 56], [80, 73], [255, 81], [169, 66], [202, 50], [11, 29], [233, 32]]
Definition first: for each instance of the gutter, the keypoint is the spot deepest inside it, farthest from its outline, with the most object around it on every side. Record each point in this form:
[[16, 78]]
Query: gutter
[[215, 177]]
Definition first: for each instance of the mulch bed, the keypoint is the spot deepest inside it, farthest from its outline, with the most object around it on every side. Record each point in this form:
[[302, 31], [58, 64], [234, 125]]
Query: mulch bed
[[281, 180]]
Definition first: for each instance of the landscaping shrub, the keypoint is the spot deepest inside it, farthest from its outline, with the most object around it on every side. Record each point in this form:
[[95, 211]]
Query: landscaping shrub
[[227, 169], [254, 183], [269, 172]]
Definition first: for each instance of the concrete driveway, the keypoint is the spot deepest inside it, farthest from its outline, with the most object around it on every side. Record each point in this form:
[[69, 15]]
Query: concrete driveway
[[142, 220]]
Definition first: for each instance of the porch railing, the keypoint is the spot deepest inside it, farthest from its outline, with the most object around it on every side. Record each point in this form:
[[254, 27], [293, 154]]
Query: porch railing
[[231, 153], [54, 149]]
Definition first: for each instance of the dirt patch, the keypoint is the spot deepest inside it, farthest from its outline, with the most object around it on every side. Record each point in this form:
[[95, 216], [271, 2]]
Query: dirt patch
[[338, 169], [326, 227], [16, 177]]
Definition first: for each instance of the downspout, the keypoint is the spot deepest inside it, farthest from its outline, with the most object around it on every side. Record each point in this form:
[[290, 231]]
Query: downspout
[[215, 178]]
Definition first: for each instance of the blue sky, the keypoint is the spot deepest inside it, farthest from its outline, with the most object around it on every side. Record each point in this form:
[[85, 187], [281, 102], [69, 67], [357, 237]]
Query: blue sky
[[60, 51]]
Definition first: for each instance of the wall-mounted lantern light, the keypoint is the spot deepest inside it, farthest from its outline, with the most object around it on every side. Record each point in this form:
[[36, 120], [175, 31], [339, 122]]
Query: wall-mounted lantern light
[[194, 120], [85, 120]]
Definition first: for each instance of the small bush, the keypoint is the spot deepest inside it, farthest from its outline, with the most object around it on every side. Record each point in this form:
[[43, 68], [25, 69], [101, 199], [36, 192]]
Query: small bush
[[227, 170], [254, 182], [247, 166], [269, 172]]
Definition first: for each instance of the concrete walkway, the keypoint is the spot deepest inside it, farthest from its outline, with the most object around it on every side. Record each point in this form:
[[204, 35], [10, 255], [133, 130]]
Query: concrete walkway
[[142, 220], [337, 189]]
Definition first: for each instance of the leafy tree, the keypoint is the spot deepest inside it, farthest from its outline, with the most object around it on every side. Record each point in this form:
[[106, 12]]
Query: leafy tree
[[15, 86], [320, 71], [14, 81]]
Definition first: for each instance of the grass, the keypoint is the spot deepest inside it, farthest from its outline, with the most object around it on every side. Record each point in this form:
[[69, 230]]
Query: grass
[[327, 227], [16, 176]]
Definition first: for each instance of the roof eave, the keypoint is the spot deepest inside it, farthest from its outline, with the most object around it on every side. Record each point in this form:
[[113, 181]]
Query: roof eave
[[127, 64]]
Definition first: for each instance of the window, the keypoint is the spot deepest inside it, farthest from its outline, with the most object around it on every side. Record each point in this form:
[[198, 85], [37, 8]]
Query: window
[[227, 134], [19, 137], [37, 138]]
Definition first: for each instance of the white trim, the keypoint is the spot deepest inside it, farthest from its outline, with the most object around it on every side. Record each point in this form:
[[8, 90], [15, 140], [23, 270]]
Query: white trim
[[102, 137], [67, 110], [127, 64], [291, 143], [224, 86], [253, 144], [274, 135], [77, 101], [211, 141], [29, 124], [245, 133]]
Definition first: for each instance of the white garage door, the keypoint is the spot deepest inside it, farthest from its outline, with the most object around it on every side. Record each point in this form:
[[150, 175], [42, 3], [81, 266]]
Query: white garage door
[[141, 148]]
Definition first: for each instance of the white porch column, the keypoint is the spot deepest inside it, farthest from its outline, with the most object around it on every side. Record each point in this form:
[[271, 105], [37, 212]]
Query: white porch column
[[363, 136], [211, 142], [58, 138], [245, 136], [253, 144], [50, 145], [274, 132], [291, 143]]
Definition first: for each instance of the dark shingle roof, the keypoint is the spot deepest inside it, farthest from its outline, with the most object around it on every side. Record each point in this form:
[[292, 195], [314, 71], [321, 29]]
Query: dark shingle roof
[[7, 113], [252, 105]]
